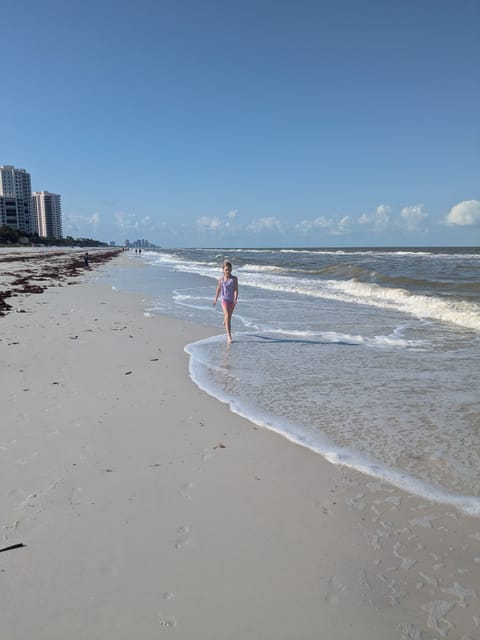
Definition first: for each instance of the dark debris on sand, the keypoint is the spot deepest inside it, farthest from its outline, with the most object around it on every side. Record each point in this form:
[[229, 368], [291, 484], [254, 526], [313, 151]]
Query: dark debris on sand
[[53, 270]]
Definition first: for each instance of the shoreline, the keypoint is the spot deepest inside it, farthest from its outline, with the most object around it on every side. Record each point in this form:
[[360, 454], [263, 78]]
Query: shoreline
[[147, 507], [358, 462]]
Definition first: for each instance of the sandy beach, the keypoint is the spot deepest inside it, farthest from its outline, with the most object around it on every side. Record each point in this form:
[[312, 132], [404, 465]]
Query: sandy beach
[[133, 505]]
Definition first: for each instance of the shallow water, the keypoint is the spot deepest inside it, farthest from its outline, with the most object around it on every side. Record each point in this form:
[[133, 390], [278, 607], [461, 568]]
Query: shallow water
[[369, 357]]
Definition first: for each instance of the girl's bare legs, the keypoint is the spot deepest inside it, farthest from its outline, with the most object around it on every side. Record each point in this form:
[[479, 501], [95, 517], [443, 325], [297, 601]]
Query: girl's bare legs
[[227, 320]]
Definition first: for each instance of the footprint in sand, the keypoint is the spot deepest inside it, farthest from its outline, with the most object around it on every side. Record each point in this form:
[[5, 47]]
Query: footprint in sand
[[183, 537], [437, 612], [426, 522], [392, 502], [207, 454], [10, 531], [27, 459], [185, 490], [406, 563], [410, 632], [334, 590], [74, 497], [433, 582], [461, 593], [356, 503], [30, 500], [6, 446], [166, 623]]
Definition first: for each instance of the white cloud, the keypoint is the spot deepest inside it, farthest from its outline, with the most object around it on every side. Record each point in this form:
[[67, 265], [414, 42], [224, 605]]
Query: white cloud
[[94, 220], [125, 221], [414, 217], [383, 210], [317, 223], [130, 222], [365, 219], [379, 220], [270, 223], [82, 225], [382, 217], [465, 214], [209, 224], [343, 225], [214, 223]]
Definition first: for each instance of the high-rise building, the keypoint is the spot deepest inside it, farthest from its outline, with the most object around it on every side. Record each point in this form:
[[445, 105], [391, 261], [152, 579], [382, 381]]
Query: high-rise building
[[48, 214], [16, 199]]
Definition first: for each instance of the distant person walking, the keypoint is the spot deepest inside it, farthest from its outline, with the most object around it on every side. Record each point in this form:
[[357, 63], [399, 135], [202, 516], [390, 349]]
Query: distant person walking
[[227, 289], [85, 260]]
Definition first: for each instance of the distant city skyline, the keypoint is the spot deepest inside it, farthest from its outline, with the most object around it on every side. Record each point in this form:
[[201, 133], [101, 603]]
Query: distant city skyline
[[266, 123], [139, 243]]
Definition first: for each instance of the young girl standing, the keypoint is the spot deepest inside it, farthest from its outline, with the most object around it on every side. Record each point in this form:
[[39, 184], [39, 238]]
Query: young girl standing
[[227, 289]]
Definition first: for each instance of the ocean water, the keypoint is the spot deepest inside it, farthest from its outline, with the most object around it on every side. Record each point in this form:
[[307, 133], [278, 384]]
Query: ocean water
[[370, 357]]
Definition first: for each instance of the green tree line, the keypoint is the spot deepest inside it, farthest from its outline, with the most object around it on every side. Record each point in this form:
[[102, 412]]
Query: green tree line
[[8, 235]]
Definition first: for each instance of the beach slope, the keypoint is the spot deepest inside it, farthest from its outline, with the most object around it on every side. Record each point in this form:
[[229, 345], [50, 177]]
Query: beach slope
[[147, 509]]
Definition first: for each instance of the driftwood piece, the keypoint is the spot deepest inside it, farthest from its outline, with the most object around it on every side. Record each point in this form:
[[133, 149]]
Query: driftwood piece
[[13, 546]]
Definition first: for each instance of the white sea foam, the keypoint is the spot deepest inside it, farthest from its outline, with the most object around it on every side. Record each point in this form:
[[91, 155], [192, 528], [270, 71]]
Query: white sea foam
[[269, 277], [463, 313], [262, 268], [204, 372], [373, 252], [336, 337]]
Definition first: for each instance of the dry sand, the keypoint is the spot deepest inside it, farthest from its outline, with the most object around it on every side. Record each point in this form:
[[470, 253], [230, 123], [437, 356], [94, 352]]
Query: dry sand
[[147, 509]]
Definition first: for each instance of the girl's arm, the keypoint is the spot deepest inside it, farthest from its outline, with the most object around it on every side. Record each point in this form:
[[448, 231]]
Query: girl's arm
[[217, 292], [235, 290]]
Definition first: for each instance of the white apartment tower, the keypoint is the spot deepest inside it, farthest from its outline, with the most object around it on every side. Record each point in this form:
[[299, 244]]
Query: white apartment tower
[[16, 199], [48, 214]]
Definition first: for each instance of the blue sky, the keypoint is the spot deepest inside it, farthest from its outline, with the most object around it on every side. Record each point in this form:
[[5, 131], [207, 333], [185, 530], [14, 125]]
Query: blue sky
[[248, 123]]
